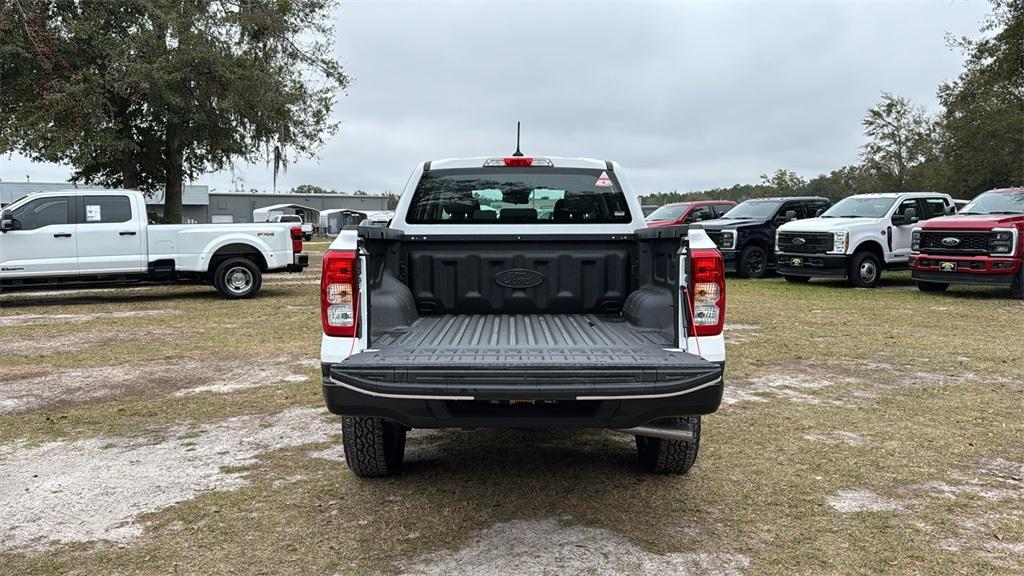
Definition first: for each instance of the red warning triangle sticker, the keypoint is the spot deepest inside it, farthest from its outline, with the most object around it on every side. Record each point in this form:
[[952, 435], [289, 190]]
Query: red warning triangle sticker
[[603, 181]]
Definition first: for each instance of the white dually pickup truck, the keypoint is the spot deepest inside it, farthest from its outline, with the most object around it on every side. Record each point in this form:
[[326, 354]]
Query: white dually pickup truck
[[522, 292], [75, 238]]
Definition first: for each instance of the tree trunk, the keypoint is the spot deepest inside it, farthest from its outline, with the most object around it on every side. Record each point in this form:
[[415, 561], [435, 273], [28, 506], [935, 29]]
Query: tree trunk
[[129, 165], [173, 171]]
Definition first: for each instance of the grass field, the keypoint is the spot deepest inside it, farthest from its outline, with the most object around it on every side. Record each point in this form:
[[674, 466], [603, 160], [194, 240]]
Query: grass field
[[164, 430]]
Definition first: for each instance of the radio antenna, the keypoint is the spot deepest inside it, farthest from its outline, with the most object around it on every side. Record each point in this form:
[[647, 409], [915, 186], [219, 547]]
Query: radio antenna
[[517, 152]]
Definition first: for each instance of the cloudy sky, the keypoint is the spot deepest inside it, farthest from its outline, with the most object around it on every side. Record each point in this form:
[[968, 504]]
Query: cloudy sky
[[685, 95]]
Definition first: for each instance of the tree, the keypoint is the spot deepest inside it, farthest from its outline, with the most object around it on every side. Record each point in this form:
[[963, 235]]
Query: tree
[[984, 106], [310, 189], [149, 93], [899, 138], [784, 182]]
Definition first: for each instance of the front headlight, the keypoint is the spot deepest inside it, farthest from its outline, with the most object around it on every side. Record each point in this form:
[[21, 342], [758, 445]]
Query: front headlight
[[915, 241], [1001, 242], [728, 239], [839, 241]]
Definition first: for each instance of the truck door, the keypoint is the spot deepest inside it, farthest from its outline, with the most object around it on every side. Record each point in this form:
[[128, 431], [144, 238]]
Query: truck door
[[43, 243], [109, 238], [901, 229]]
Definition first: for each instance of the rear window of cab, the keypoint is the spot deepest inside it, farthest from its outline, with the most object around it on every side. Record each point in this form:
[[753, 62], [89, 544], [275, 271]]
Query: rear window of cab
[[518, 195]]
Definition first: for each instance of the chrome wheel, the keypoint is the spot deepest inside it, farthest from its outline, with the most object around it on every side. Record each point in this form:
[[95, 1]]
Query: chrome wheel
[[238, 280], [868, 272]]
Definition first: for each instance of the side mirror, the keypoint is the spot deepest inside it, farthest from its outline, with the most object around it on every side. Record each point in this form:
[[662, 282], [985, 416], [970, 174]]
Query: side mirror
[[790, 215], [6, 221], [908, 217]]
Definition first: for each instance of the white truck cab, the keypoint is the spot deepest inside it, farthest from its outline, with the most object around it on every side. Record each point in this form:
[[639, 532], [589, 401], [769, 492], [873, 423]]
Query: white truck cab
[[856, 238], [294, 219], [78, 237]]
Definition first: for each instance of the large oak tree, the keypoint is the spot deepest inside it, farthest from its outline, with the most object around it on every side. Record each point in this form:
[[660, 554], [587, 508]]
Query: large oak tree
[[148, 93]]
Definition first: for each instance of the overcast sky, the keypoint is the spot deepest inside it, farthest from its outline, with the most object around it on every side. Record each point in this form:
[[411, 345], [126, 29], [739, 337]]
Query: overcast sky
[[685, 95]]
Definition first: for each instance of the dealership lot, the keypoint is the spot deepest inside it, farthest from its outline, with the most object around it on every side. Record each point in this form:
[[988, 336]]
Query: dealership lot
[[163, 430]]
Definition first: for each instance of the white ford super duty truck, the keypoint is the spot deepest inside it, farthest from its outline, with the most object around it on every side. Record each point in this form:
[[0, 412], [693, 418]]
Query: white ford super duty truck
[[856, 238], [76, 238], [522, 292]]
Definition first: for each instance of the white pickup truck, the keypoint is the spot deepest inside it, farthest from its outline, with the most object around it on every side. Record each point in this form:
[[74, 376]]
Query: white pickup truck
[[92, 237], [522, 292], [294, 219], [856, 238]]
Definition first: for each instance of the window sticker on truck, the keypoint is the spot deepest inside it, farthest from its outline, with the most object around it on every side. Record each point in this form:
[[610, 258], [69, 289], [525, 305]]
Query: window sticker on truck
[[603, 181], [92, 213]]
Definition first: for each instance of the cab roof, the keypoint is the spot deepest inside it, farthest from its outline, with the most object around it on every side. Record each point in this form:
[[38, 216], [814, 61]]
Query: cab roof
[[557, 161]]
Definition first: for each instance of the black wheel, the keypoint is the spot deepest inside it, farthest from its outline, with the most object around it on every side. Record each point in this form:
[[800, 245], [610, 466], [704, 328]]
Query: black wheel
[[865, 270], [663, 456], [932, 286], [1017, 287], [237, 278], [798, 279], [373, 446], [753, 262]]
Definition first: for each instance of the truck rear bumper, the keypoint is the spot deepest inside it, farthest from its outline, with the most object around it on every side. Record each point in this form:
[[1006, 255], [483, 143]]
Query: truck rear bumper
[[299, 263], [564, 407]]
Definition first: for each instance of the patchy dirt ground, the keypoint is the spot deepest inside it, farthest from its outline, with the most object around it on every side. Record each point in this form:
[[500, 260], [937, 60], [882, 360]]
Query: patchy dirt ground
[[165, 430], [96, 489], [74, 386], [557, 546]]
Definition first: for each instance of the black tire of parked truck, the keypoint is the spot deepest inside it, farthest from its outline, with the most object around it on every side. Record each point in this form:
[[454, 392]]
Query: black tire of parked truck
[[865, 270], [1017, 287], [373, 446], [753, 262], [662, 456], [237, 278], [932, 286], [798, 279]]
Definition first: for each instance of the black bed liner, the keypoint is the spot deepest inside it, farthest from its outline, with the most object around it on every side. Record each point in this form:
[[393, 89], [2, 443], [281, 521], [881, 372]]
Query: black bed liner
[[527, 356]]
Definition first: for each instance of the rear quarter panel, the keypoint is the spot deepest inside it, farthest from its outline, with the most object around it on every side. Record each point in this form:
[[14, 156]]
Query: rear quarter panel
[[192, 246]]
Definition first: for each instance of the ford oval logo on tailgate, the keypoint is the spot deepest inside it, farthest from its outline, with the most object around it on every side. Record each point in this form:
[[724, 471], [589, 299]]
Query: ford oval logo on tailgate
[[518, 278], [951, 241]]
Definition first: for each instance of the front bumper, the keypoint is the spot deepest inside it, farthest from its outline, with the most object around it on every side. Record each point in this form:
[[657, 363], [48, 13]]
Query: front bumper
[[731, 257], [812, 265], [539, 406], [299, 263]]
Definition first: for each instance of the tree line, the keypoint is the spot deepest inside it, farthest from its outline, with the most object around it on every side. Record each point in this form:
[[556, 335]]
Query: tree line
[[975, 143]]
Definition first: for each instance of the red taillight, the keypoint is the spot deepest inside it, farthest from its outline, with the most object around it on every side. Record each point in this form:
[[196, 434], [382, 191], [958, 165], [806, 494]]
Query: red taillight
[[519, 161], [707, 294], [296, 233], [339, 293]]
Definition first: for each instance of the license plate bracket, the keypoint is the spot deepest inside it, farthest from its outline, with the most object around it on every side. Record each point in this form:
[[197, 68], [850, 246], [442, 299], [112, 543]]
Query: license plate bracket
[[947, 266]]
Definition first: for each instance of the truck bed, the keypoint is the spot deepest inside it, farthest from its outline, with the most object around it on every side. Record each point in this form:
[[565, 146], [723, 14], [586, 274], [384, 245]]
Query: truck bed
[[525, 356]]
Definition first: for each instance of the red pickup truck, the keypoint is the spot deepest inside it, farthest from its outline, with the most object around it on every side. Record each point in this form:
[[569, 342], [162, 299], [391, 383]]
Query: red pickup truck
[[678, 213], [983, 244]]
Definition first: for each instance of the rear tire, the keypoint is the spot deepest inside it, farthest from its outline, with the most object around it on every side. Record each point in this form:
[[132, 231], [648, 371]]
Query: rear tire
[[662, 456], [798, 279], [932, 286], [237, 278], [753, 262], [374, 447], [865, 270], [1017, 287]]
